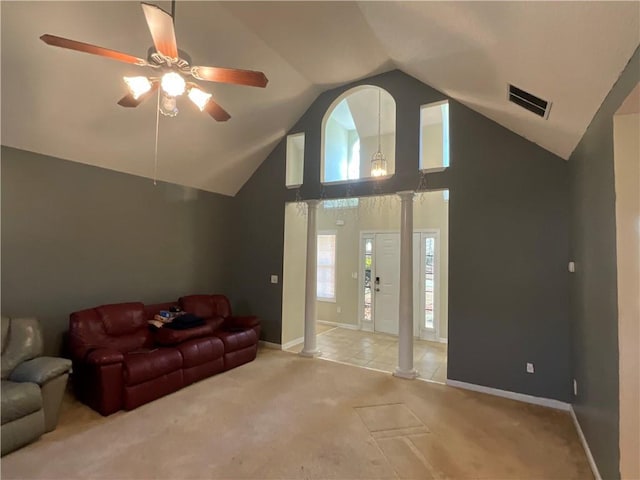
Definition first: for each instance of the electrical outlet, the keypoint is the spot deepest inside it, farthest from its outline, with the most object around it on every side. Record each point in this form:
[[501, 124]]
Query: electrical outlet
[[575, 387], [274, 278], [530, 368]]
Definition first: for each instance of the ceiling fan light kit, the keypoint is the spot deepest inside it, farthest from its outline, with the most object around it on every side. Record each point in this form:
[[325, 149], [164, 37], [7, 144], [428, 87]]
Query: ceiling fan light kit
[[173, 84], [166, 57], [199, 97], [138, 86]]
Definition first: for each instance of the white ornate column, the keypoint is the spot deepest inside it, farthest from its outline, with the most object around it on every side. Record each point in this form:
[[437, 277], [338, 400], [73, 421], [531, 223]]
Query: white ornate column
[[311, 283], [405, 328]]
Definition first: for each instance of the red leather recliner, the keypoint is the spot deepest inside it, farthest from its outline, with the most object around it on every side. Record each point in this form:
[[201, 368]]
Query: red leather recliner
[[239, 334], [118, 362]]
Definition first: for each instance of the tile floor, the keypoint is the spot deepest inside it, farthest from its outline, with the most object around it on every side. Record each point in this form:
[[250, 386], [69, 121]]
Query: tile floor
[[378, 351]]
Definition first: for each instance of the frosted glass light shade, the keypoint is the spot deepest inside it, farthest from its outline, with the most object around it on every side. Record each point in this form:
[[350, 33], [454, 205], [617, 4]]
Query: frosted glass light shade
[[138, 86], [173, 84], [199, 98]]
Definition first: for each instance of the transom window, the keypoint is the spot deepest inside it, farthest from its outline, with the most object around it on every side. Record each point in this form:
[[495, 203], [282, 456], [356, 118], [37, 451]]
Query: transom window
[[361, 122]]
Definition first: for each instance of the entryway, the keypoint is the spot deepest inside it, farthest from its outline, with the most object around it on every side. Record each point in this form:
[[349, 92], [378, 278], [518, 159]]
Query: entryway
[[378, 351], [358, 287], [379, 284]]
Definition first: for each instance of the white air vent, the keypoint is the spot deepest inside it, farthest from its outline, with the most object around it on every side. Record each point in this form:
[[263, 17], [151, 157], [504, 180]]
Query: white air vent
[[529, 101]]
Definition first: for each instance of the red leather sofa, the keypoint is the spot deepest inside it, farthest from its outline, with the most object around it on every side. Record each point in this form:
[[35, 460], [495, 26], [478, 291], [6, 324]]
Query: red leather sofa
[[119, 362]]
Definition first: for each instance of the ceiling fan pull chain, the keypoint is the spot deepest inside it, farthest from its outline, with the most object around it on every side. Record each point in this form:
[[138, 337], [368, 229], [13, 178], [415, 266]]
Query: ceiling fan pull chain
[[155, 156]]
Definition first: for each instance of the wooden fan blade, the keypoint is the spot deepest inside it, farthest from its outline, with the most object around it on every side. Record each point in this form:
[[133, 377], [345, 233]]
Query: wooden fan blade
[[161, 27], [216, 111], [230, 75], [129, 101], [92, 49]]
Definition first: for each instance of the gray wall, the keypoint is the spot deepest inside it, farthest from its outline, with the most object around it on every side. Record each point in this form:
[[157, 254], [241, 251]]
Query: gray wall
[[76, 236], [508, 285], [594, 300]]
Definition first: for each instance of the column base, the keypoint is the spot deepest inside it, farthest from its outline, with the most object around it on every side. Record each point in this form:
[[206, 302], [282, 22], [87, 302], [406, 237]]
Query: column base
[[408, 374], [310, 354]]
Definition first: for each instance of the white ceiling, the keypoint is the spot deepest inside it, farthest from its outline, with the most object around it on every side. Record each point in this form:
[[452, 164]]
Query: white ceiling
[[63, 103]]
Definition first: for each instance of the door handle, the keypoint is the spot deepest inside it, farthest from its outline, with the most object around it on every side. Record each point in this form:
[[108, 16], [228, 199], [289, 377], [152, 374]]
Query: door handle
[[377, 284]]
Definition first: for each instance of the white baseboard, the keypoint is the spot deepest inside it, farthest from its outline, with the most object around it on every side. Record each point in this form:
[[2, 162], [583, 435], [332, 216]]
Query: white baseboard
[[521, 397], [366, 326], [271, 345], [350, 326], [292, 343], [430, 337], [585, 445]]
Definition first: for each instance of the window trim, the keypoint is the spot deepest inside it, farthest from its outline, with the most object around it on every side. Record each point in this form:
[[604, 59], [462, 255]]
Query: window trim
[[323, 126], [432, 334], [443, 167], [293, 136], [335, 267], [366, 325]]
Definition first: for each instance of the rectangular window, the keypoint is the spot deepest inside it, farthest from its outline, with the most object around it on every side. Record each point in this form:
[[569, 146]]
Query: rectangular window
[[429, 282], [434, 136], [326, 288], [368, 265], [295, 160]]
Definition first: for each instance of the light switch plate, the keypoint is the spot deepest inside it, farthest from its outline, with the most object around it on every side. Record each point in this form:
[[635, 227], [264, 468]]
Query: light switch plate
[[274, 278]]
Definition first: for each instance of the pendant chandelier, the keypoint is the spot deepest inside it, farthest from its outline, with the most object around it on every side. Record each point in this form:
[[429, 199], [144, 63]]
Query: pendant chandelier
[[378, 162]]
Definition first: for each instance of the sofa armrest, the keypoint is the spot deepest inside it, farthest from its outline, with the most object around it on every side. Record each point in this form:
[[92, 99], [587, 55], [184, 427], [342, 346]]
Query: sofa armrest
[[40, 370], [249, 321], [104, 356]]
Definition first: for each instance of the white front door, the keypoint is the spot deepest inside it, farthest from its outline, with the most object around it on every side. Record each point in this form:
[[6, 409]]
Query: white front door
[[386, 282]]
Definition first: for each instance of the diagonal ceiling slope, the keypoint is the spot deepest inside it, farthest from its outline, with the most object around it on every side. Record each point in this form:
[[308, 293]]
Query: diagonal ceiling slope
[[63, 103]]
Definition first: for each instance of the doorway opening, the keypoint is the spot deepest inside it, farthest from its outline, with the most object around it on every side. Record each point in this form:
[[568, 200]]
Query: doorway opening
[[358, 281]]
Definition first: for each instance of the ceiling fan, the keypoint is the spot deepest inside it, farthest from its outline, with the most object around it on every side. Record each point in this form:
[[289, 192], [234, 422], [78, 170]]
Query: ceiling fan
[[173, 66]]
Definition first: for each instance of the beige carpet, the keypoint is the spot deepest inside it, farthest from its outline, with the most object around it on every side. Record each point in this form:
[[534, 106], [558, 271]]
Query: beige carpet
[[286, 417]]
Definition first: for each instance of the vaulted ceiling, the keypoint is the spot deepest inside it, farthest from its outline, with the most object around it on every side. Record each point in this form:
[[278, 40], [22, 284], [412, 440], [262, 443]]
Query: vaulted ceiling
[[63, 103]]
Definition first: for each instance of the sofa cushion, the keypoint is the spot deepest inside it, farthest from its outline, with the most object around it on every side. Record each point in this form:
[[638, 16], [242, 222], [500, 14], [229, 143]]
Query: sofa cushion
[[19, 400], [167, 336], [200, 350], [146, 365], [236, 340], [122, 318], [200, 305], [206, 306]]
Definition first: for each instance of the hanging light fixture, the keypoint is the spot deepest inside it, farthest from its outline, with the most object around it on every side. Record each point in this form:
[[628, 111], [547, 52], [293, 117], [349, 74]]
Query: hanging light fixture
[[378, 162], [138, 86]]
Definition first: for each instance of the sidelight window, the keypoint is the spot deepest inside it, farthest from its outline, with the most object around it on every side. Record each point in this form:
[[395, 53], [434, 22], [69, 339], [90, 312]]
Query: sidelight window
[[326, 288]]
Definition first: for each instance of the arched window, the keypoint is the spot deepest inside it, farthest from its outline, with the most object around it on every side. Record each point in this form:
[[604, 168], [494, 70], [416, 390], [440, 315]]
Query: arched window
[[358, 126]]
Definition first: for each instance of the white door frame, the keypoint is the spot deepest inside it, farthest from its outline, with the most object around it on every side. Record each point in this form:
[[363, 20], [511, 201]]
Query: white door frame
[[419, 329]]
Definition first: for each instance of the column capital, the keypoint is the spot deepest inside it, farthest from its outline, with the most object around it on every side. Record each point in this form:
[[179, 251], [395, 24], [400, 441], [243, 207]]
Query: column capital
[[313, 203], [406, 195]]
